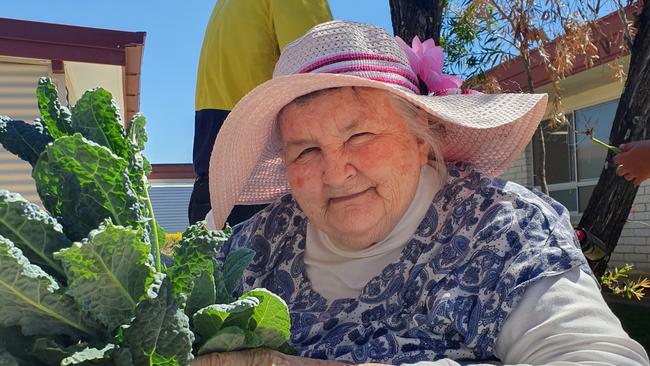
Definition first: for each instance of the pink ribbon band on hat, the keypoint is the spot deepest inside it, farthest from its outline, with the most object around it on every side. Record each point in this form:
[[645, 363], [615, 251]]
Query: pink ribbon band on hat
[[369, 66]]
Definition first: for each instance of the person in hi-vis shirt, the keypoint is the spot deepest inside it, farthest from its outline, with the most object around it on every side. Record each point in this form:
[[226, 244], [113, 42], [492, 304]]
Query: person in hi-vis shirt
[[242, 43]]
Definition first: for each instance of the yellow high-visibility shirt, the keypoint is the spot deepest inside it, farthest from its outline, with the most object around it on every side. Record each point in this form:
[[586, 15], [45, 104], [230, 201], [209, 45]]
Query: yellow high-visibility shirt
[[243, 41]]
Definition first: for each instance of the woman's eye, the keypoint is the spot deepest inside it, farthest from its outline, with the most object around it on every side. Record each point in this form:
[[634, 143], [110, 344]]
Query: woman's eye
[[360, 135], [306, 152]]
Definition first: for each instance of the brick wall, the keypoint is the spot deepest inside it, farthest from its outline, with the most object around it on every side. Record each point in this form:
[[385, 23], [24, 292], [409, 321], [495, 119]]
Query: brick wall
[[634, 245], [520, 171]]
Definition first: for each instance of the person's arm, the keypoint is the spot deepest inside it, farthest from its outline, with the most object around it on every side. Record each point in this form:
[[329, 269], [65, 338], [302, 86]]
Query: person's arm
[[563, 321], [293, 18]]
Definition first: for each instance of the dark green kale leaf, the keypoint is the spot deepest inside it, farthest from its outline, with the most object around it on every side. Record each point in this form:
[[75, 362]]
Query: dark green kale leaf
[[136, 133], [30, 298], [160, 330], [234, 266], [56, 118], [96, 117], [32, 230], [52, 352], [108, 273], [82, 183], [194, 270], [27, 141]]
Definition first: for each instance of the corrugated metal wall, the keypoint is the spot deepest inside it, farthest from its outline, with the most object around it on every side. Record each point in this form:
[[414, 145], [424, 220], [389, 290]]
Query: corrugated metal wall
[[169, 201], [18, 83]]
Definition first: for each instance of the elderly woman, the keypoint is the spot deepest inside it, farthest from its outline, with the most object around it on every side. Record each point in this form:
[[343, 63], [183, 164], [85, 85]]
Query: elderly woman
[[388, 235]]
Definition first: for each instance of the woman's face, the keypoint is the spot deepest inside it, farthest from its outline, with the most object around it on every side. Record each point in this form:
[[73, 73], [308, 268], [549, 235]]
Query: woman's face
[[352, 164]]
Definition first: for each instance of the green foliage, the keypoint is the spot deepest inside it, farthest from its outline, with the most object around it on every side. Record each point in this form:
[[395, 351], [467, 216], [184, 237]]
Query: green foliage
[[6, 359], [30, 298], [234, 267], [16, 345], [56, 118], [96, 117], [82, 183], [32, 230], [470, 48], [258, 319], [160, 329], [209, 320], [90, 356], [51, 352], [25, 140], [83, 282], [108, 273], [618, 282], [136, 133]]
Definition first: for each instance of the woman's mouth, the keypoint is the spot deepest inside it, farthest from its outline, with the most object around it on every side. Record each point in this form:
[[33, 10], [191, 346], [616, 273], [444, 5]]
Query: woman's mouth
[[349, 197]]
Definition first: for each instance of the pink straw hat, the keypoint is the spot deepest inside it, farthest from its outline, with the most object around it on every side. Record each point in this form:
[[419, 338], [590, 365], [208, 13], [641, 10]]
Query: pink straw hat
[[487, 130]]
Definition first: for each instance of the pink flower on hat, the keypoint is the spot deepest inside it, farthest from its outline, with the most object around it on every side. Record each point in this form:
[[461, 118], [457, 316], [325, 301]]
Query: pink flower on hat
[[426, 60]]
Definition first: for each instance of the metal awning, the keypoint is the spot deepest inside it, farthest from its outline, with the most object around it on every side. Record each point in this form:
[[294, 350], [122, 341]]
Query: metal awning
[[67, 47]]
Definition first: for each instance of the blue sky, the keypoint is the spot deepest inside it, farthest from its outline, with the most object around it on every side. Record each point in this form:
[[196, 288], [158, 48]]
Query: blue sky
[[174, 35]]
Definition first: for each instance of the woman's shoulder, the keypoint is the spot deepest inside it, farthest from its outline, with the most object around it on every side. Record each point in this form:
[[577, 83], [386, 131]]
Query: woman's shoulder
[[506, 218], [490, 193], [277, 219]]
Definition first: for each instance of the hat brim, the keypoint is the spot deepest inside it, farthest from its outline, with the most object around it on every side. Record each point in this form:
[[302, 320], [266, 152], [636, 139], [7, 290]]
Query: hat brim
[[488, 131]]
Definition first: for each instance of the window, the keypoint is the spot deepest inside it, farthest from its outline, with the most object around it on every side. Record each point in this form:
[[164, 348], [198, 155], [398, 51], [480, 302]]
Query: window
[[573, 161]]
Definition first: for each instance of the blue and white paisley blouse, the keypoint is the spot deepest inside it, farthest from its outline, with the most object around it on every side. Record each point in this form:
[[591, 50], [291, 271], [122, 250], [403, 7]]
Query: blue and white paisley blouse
[[481, 243]]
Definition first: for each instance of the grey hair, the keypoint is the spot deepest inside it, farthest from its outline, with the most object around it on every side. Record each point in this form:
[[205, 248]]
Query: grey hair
[[430, 133]]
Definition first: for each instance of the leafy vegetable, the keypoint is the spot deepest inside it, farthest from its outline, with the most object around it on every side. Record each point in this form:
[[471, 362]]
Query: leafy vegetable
[[90, 356], [83, 281], [194, 268], [136, 133], [15, 347], [56, 118], [51, 352], [23, 139], [160, 328], [271, 318], [210, 320], [96, 117], [6, 359], [29, 298], [32, 230], [258, 319], [82, 183], [234, 266], [229, 339], [108, 273]]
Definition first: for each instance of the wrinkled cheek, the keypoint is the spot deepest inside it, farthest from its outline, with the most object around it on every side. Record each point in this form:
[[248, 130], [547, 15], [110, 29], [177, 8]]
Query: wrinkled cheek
[[300, 178], [394, 159], [297, 183]]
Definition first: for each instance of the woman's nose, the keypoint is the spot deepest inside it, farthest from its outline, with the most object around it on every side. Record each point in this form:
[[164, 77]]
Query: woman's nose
[[337, 168]]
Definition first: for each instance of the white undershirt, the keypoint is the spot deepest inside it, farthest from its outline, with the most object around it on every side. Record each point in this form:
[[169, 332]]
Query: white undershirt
[[338, 274]]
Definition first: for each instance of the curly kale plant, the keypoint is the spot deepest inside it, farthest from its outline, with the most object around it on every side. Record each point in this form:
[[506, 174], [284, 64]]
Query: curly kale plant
[[83, 281]]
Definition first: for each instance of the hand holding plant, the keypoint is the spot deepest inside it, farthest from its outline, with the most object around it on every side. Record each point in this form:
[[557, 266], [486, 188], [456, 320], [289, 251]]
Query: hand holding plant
[[634, 161]]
